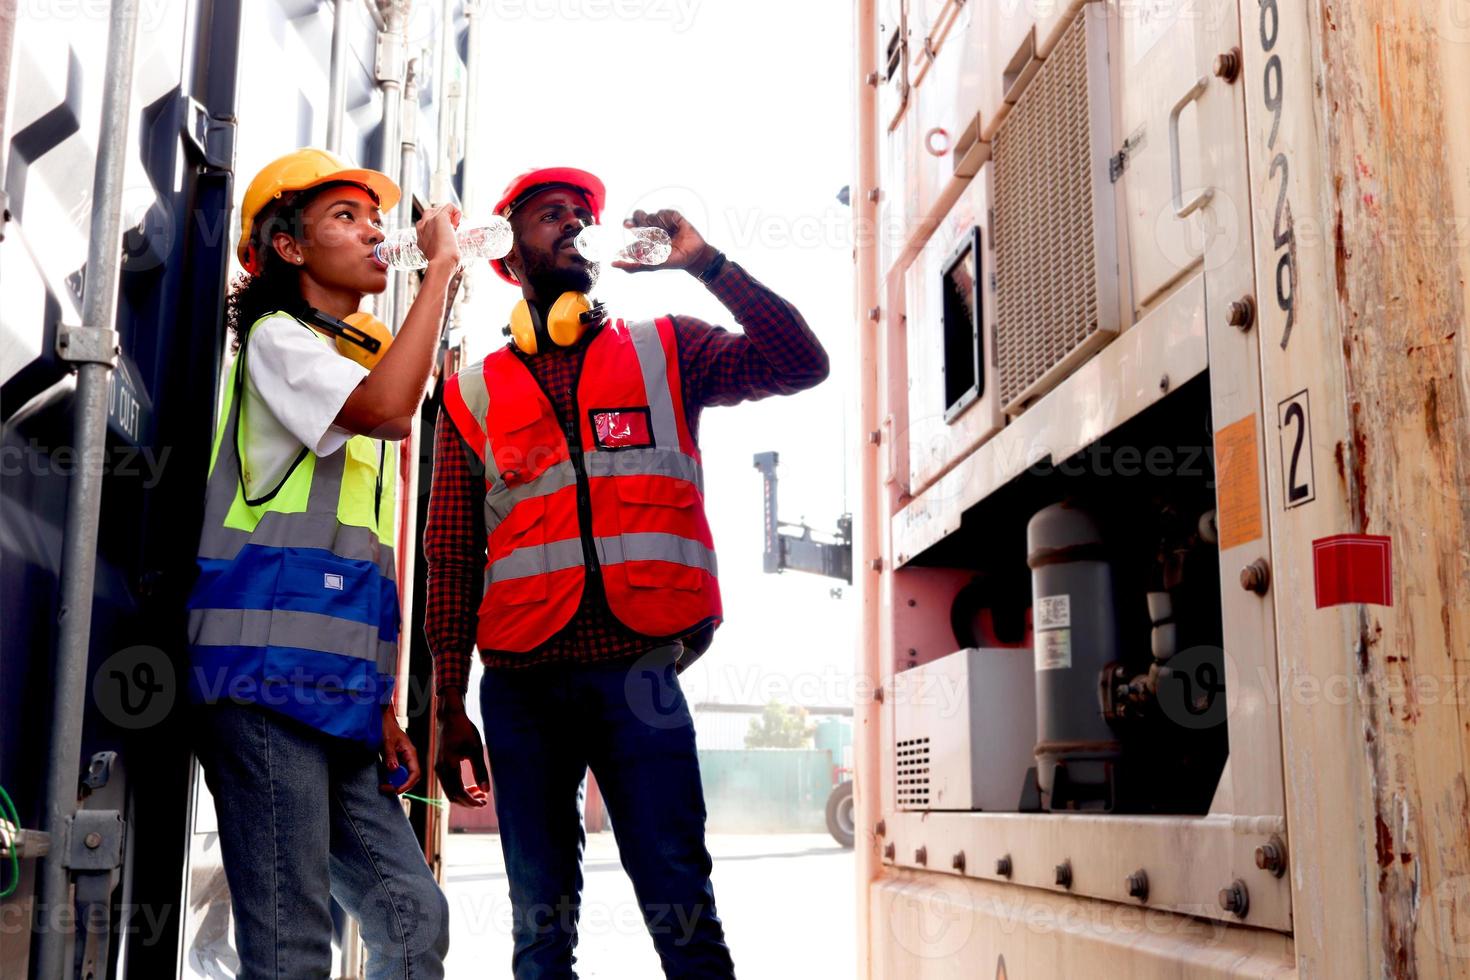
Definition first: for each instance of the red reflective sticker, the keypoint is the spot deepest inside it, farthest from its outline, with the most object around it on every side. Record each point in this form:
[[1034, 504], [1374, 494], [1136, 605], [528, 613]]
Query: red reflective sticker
[[1353, 568], [622, 429]]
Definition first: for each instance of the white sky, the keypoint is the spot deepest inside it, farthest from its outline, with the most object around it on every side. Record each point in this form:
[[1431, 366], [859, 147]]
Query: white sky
[[738, 113]]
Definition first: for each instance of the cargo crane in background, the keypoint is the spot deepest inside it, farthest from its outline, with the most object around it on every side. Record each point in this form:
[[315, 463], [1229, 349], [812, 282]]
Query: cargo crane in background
[[801, 552]]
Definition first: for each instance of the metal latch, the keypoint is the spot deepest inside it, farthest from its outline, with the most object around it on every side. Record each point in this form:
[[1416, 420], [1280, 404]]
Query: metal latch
[[95, 840], [212, 138], [390, 60], [88, 345]]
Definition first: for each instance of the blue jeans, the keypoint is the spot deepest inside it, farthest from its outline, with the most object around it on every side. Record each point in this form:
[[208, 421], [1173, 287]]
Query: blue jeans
[[302, 821], [544, 727]]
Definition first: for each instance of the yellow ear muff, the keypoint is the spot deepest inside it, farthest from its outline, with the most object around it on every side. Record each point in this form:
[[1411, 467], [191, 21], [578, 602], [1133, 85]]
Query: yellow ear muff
[[565, 324], [523, 327], [370, 343]]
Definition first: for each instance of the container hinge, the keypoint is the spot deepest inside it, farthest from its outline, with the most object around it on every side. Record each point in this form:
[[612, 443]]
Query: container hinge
[[1117, 165], [210, 138]]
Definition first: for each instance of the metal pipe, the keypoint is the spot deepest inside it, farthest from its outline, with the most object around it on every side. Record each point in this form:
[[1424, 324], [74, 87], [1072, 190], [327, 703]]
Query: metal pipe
[[475, 22], [866, 547], [439, 191], [379, 21], [407, 179], [392, 21], [337, 93], [7, 44], [84, 497]]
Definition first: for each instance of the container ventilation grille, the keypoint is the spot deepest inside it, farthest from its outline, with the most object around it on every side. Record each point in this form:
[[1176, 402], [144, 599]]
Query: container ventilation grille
[[913, 772], [1046, 263]]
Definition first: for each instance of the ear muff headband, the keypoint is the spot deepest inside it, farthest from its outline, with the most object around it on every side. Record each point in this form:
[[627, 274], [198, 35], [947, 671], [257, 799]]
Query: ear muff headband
[[361, 337]]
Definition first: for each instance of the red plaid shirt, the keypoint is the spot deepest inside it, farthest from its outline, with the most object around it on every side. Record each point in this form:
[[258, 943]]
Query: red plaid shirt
[[776, 355]]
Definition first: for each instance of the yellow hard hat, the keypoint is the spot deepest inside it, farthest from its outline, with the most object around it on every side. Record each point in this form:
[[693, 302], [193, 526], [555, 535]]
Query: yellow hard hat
[[302, 170]]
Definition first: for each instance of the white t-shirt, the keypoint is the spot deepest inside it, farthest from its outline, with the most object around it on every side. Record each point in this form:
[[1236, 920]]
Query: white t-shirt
[[296, 382]]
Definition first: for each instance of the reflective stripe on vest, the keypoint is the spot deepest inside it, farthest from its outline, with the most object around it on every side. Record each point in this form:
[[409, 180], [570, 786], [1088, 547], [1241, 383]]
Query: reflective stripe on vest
[[649, 536], [296, 601]]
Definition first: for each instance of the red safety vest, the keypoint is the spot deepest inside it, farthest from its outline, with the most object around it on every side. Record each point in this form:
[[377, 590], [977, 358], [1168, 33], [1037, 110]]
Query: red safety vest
[[626, 500]]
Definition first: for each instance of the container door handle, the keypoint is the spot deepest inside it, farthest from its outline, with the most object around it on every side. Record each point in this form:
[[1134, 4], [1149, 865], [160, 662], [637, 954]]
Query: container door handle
[[1183, 208]]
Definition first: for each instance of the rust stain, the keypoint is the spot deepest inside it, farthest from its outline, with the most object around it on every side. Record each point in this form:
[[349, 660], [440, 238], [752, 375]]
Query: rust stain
[[1384, 844], [1337, 457], [1360, 468], [1431, 414]]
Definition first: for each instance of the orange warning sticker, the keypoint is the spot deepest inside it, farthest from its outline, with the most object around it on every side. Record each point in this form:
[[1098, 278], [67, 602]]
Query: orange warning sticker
[[1237, 483]]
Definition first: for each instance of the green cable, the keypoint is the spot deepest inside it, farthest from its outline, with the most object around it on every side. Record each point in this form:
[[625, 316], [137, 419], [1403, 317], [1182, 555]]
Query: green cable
[[13, 817], [424, 799]]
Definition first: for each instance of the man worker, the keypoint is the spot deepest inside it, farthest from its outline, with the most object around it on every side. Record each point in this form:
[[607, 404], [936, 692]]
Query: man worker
[[567, 540]]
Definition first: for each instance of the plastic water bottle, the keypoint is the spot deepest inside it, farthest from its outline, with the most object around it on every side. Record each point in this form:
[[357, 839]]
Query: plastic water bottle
[[614, 243], [492, 240]]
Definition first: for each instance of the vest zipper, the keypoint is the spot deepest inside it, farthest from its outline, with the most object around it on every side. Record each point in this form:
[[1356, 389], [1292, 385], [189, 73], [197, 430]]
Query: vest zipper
[[378, 490], [584, 494]]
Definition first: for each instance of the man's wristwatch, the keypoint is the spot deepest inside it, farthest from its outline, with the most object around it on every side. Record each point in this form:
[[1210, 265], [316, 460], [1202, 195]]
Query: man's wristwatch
[[713, 269]]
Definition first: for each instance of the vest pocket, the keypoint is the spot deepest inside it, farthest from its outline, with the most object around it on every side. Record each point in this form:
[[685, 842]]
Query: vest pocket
[[517, 573], [327, 604], [658, 520]]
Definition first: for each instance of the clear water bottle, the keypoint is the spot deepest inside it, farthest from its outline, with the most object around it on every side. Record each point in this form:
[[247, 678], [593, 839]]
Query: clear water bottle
[[614, 243], [492, 240]]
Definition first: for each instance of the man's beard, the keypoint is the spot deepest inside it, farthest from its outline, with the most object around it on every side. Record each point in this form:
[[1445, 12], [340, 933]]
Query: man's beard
[[550, 280]]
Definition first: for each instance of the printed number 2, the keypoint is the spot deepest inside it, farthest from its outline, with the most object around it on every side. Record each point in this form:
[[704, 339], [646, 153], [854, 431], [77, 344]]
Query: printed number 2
[[1296, 450]]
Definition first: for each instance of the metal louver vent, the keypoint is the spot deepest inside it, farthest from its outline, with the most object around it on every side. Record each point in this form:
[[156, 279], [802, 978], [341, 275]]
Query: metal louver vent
[[913, 772], [1054, 225]]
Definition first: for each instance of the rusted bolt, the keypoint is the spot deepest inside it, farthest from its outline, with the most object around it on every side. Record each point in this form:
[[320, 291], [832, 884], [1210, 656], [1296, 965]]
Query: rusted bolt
[[875, 437], [874, 312], [880, 828], [875, 564], [913, 652], [1064, 874], [1164, 383], [871, 78], [1242, 314], [1003, 866], [913, 603], [889, 851], [1271, 856], [1236, 899], [1138, 885], [1256, 577], [878, 695], [93, 840], [1227, 65], [958, 862], [873, 195], [921, 855]]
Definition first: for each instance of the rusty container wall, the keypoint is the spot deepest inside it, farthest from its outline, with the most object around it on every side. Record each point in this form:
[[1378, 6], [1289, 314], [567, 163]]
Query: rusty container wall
[[1360, 174]]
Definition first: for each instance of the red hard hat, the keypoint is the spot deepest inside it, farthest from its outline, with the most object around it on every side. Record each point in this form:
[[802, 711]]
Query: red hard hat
[[532, 180]]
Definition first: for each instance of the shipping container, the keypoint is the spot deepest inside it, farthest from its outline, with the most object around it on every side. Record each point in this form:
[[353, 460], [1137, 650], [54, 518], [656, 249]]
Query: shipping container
[[130, 130], [1166, 396]]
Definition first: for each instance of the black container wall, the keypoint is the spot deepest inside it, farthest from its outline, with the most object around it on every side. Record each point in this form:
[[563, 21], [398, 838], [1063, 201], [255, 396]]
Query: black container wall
[[169, 317]]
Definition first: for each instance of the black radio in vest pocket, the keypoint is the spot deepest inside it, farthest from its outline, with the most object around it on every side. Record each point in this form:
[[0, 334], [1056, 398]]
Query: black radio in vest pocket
[[621, 428]]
